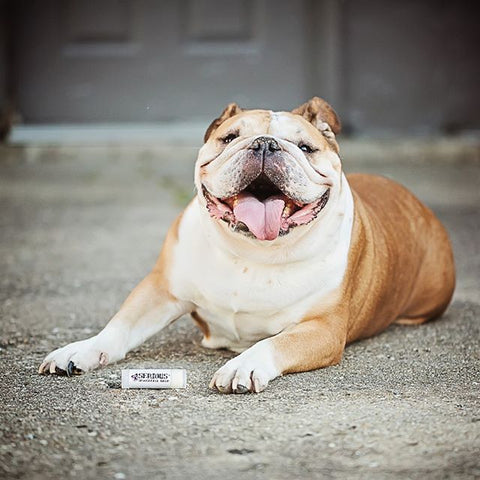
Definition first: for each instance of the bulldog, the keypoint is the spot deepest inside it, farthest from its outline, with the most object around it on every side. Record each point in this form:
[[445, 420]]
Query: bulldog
[[280, 256]]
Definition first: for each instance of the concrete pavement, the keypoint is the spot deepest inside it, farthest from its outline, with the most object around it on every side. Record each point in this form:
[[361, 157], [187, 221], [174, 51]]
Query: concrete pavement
[[80, 226]]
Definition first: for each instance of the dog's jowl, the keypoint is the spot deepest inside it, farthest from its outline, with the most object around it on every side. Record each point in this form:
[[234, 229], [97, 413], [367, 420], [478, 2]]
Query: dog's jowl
[[280, 256]]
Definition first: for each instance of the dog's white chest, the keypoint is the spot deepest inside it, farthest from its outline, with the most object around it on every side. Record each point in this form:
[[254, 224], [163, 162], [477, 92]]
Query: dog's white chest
[[243, 303], [240, 302]]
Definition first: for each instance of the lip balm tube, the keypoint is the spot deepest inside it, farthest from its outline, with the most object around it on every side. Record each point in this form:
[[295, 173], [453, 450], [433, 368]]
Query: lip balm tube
[[154, 378]]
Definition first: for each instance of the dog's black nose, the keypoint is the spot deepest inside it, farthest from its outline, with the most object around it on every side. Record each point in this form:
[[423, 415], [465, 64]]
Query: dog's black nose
[[264, 145]]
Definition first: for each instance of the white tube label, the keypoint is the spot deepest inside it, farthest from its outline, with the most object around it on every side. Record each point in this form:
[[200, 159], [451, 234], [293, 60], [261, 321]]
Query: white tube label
[[154, 378]]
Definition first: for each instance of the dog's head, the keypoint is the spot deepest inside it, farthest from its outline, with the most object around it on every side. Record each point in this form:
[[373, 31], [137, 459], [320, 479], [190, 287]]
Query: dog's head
[[263, 174]]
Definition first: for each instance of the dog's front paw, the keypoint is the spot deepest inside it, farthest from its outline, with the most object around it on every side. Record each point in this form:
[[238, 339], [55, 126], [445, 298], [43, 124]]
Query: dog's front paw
[[249, 372], [74, 358]]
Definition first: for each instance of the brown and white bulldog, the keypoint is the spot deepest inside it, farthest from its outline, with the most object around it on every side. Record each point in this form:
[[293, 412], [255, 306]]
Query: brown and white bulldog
[[280, 256]]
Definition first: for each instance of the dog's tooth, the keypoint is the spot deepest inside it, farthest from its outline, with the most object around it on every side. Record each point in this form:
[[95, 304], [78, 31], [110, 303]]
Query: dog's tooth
[[288, 209], [234, 201], [241, 226]]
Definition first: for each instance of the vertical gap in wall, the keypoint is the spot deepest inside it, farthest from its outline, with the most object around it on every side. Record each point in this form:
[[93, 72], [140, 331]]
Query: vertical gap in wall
[[325, 53], [8, 108], [343, 45], [312, 84]]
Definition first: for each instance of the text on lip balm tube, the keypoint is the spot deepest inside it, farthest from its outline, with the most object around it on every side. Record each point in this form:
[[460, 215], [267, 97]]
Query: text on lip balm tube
[[154, 378]]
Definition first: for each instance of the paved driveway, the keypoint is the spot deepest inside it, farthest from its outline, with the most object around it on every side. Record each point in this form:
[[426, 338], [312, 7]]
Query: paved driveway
[[80, 226]]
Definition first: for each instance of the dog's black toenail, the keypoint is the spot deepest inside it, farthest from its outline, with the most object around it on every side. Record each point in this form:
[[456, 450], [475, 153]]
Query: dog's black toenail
[[241, 389], [72, 369]]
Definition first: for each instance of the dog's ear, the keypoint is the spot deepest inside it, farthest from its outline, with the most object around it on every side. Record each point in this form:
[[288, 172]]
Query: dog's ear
[[318, 112], [230, 110]]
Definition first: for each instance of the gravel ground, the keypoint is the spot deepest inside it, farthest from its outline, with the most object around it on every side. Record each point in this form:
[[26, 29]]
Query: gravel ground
[[81, 226]]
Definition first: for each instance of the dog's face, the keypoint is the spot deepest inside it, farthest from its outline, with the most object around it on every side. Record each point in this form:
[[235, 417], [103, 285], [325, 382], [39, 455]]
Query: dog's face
[[263, 174]]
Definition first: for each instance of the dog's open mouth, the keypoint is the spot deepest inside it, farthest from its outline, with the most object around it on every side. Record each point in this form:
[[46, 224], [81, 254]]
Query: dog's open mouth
[[263, 210]]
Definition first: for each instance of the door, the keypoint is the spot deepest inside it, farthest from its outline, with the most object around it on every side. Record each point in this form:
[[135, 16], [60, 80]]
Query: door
[[150, 60]]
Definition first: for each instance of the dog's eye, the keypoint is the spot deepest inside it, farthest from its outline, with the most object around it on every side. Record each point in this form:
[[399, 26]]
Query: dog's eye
[[230, 137], [305, 148]]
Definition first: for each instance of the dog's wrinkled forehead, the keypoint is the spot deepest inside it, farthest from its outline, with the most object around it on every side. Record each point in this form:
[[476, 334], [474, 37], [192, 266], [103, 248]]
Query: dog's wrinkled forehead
[[314, 119], [291, 126], [248, 123]]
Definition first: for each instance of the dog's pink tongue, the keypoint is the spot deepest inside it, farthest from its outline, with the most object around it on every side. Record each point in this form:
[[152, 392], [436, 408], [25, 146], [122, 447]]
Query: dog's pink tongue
[[251, 212], [273, 217], [263, 219]]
